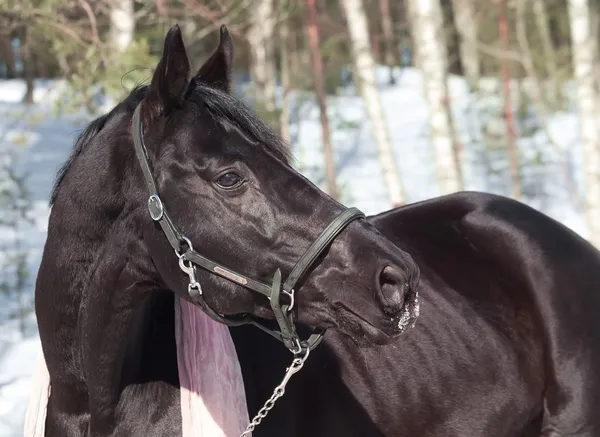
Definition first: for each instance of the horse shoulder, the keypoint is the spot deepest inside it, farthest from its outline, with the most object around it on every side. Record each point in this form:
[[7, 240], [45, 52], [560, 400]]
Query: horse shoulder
[[560, 272]]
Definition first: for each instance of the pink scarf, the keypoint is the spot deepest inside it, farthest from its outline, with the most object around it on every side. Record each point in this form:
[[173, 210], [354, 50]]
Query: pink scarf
[[213, 401]]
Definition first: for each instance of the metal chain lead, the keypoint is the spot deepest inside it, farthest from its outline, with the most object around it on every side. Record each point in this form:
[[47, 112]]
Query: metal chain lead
[[277, 393]]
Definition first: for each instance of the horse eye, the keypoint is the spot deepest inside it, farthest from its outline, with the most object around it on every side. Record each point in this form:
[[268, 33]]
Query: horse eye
[[229, 180]]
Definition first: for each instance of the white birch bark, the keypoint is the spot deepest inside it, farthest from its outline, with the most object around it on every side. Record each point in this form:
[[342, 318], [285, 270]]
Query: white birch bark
[[466, 26], [428, 36], [122, 24], [262, 53], [541, 18], [364, 66], [284, 117], [584, 61], [387, 26]]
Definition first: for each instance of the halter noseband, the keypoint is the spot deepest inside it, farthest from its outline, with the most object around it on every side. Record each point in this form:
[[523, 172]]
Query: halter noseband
[[189, 259]]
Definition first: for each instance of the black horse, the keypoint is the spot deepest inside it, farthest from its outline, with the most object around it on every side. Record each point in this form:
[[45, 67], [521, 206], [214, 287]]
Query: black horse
[[220, 179], [506, 343]]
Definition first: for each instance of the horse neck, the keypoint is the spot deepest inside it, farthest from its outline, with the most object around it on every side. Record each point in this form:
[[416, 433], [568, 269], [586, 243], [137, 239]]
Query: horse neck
[[92, 203]]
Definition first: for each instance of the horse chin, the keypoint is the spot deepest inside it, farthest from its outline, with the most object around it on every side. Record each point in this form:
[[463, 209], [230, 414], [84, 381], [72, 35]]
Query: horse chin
[[365, 333]]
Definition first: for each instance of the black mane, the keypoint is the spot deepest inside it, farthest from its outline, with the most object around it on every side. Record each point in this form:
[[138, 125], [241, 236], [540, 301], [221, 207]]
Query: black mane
[[220, 104], [85, 137], [90, 131]]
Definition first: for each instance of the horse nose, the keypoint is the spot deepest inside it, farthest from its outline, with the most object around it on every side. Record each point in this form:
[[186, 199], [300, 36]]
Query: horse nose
[[392, 290]]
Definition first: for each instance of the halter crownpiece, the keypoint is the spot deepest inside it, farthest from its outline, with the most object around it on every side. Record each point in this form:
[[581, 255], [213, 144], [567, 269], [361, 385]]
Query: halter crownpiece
[[189, 259]]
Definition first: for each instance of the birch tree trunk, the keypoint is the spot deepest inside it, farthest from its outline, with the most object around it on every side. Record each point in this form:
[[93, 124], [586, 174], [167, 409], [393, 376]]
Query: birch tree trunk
[[428, 36], [541, 18], [122, 24], [364, 68], [284, 59], [294, 58], [8, 56], [262, 53], [466, 26], [584, 61], [319, 85], [509, 117], [28, 66], [189, 29], [389, 49]]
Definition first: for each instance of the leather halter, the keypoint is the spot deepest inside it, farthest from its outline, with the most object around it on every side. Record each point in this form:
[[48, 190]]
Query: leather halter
[[189, 259]]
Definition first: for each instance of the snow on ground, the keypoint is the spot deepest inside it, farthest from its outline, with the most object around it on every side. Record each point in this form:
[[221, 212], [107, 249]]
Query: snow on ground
[[43, 142]]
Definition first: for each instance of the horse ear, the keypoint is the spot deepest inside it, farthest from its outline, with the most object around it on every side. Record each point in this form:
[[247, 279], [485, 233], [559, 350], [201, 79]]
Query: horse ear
[[217, 69], [171, 77]]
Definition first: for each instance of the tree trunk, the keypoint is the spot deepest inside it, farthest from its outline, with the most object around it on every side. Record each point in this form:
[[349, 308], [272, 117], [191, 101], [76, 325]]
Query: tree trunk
[[319, 85], [303, 61], [284, 116], [509, 118], [196, 54], [28, 67], [584, 61], [8, 56], [375, 50], [466, 25], [364, 68], [389, 47], [293, 58], [122, 24], [262, 54], [538, 101], [429, 42], [541, 18]]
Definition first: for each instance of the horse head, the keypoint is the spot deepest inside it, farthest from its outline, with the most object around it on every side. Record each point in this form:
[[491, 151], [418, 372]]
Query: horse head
[[223, 195]]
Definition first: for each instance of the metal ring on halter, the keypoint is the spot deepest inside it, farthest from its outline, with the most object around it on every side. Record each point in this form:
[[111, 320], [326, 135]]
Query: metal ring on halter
[[298, 347], [187, 241], [290, 294], [306, 353], [155, 207]]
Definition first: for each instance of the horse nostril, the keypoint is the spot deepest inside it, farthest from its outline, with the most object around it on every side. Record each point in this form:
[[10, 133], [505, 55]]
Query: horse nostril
[[392, 289]]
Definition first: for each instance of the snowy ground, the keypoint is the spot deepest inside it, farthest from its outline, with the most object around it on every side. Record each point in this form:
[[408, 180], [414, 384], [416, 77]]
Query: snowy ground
[[44, 142]]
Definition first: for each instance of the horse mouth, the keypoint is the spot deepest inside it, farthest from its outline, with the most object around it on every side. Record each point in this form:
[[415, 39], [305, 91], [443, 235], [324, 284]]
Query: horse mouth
[[362, 330]]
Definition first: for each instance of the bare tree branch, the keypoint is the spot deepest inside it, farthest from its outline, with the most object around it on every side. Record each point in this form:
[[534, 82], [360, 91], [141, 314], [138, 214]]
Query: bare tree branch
[[92, 17]]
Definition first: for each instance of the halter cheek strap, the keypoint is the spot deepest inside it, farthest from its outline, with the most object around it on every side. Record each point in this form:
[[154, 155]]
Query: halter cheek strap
[[189, 259]]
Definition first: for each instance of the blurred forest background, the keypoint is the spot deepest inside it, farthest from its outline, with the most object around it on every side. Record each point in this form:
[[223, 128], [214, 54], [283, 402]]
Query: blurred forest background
[[411, 98]]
